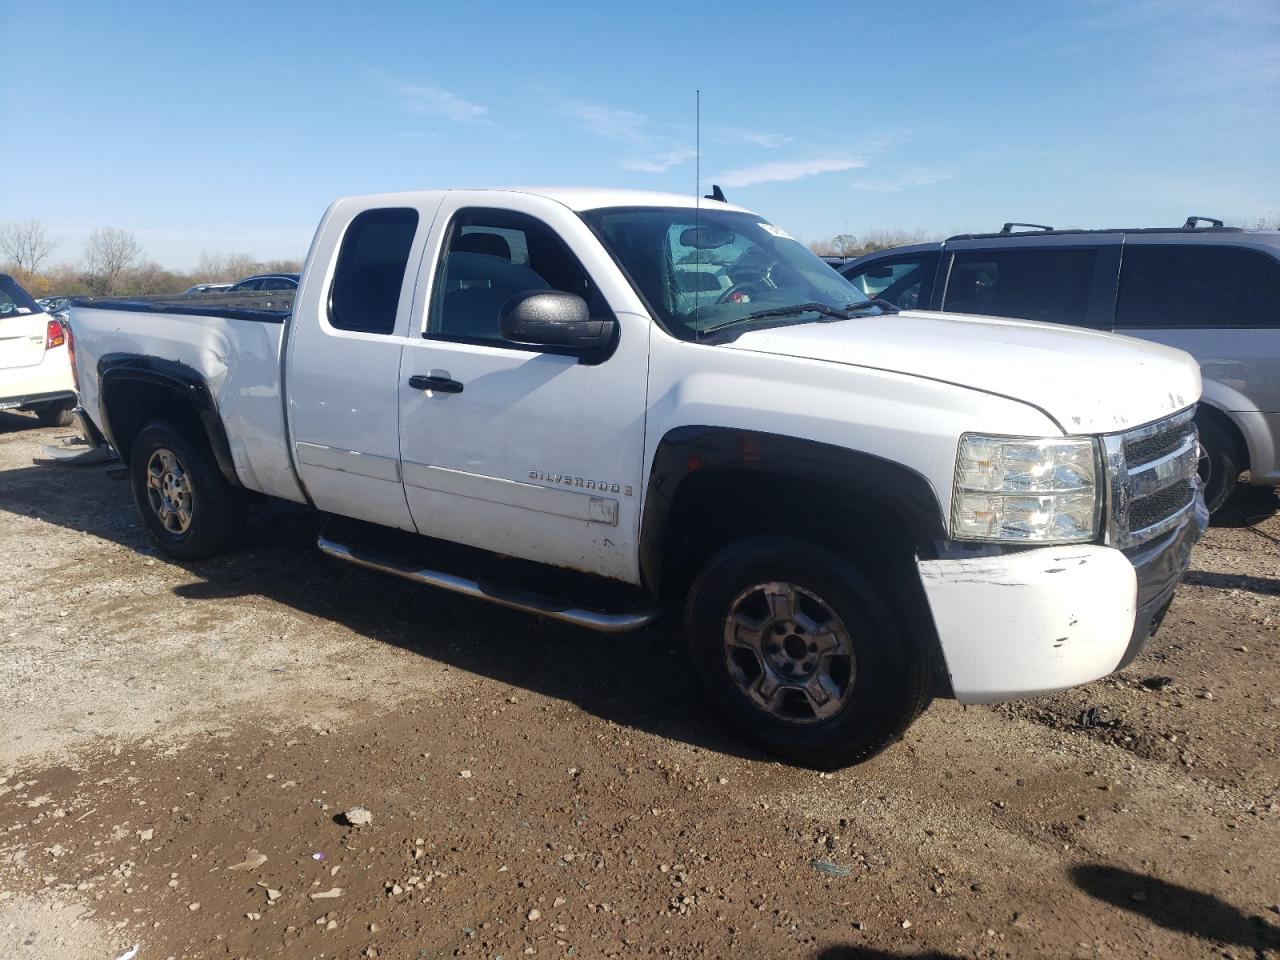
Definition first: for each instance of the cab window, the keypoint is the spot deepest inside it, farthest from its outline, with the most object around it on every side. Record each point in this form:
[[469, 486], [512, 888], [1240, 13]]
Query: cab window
[[489, 257], [370, 273]]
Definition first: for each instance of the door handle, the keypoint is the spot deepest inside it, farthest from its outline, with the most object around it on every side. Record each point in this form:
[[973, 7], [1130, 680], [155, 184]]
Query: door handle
[[437, 384]]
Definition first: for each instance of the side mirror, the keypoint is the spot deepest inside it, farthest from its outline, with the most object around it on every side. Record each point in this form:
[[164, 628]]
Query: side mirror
[[551, 318]]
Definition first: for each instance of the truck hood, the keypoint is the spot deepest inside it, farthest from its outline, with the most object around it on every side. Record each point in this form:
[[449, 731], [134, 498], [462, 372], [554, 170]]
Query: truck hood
[[1086, 381]]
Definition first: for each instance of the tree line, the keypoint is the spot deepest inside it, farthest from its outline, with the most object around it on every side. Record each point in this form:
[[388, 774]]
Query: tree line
[[851, 245], [114, 264]]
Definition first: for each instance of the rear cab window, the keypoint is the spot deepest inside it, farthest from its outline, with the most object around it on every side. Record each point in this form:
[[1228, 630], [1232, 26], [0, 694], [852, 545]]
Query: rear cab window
[[370, 272]]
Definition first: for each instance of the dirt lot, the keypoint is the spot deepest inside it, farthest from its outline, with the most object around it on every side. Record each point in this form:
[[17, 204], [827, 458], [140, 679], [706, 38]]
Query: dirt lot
[[178, 744]]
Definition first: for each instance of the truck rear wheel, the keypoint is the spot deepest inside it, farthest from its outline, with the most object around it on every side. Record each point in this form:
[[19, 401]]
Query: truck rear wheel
[[189, 508], [799, 655]]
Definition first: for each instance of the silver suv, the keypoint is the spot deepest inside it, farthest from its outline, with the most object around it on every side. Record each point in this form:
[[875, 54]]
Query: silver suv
[[1213, 291]]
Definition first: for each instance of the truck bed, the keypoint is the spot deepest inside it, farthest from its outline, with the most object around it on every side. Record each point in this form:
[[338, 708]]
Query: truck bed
[[234, 342]]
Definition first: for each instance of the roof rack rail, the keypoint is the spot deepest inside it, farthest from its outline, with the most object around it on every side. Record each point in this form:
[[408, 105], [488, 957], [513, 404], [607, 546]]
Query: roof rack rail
[[1008, 227], [1192, 221]]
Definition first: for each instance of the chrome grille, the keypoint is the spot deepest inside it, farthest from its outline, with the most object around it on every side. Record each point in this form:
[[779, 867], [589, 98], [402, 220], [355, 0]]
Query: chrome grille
[[1151, 478]]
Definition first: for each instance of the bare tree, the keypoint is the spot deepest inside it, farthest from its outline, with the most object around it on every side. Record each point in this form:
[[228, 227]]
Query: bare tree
[[108, 255], [845, 244], [24, 245]]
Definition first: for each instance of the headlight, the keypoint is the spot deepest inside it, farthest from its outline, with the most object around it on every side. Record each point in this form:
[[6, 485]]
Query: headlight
[[1021, 490]]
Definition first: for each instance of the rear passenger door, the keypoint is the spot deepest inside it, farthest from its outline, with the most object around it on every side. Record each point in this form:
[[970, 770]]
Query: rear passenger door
[[343, 357], [1219, 302], [1061, 279]]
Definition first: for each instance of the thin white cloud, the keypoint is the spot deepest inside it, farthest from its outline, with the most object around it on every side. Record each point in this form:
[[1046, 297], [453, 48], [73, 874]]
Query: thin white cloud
[[770, 141], [648, 152], [434, 101], [659, 163], [613, 123], [908, 178], [782, 171]]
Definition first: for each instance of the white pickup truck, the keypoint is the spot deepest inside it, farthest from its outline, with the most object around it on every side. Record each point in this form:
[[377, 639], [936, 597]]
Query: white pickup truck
[[595, 405]]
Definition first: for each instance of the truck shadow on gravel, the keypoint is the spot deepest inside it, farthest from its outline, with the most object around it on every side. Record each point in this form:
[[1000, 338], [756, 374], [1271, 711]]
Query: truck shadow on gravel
[[1233, 581], [867, 953], [639, 680], [1175, 907]]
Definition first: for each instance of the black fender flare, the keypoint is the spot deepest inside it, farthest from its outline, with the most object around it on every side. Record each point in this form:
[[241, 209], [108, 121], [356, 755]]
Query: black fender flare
[[118, 368], [685, 450]]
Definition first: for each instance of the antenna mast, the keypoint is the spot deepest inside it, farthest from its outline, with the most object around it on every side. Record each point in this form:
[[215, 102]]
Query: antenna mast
[[697, 201]]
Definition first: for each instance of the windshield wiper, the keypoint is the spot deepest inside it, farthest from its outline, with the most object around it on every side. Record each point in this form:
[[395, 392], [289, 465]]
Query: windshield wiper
[[822, 309], [884, 305]]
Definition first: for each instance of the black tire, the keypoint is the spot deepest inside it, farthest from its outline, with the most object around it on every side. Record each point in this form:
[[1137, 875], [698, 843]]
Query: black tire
[[56, 414], [1220, 465], [215, 509], [889, 686]]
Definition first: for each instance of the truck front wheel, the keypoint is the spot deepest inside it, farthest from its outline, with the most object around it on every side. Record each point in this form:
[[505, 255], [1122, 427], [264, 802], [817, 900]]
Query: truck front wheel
[[188, 506], [799, 654]]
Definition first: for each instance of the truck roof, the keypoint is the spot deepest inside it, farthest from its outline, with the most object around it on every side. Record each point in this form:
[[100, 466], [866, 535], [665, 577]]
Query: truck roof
[[589, 198]]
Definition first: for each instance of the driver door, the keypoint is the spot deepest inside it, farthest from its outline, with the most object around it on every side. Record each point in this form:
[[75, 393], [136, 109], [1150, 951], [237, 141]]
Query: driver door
[[525, 451]]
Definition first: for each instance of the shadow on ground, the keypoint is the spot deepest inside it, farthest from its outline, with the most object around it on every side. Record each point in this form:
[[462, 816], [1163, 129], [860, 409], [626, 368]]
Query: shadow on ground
[[1233, 581], [867, 953], [1175, 907], [1247, 506], [11, 421], [639, 680]]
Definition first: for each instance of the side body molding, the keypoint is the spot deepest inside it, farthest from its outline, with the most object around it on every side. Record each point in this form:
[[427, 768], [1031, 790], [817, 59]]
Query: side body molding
[[687, 450], [116, 369]]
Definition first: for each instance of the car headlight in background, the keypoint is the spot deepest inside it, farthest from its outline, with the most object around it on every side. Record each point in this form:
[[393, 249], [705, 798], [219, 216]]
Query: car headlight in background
[[1023, 490]]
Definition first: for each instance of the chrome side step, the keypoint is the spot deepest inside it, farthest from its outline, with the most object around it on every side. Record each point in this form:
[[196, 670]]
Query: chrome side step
[[554, 607]]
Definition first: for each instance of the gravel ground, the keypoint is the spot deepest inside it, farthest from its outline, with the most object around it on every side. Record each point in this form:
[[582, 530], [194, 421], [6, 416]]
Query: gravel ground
[[181, 743]]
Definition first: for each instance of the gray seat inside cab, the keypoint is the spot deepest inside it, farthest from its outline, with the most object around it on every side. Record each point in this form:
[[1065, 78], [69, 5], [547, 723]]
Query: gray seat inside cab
[[476, 285]]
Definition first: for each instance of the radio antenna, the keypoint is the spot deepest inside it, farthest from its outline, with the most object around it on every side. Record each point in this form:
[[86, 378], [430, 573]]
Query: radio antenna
[[697, 204], [697, 144]]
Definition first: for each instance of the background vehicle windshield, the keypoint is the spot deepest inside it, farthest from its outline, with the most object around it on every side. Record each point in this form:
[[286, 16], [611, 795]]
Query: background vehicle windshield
[[701, 269], [15, 300]]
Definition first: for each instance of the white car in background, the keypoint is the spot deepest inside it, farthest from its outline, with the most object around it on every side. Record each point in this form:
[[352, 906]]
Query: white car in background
[[35, 363]]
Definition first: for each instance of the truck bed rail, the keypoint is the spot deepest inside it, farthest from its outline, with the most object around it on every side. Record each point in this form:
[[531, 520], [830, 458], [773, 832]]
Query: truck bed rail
[[271, 307]]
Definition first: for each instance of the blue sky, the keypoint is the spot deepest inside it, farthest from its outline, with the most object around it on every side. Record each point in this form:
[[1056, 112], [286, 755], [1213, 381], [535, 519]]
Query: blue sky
[[228, 127]]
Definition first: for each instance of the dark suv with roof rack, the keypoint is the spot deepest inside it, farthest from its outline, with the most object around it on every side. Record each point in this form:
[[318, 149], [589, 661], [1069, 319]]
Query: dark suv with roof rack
[[1212, 290]]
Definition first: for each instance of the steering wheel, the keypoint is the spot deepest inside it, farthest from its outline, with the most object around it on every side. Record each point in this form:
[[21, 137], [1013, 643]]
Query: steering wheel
[[738, 289]]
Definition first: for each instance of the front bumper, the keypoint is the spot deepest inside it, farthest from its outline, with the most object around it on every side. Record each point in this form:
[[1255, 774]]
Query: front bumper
[[1042, 620], [1160, 566]]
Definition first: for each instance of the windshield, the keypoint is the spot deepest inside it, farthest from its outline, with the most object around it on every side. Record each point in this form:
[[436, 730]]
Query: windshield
[[14, 300], [703, 270]]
